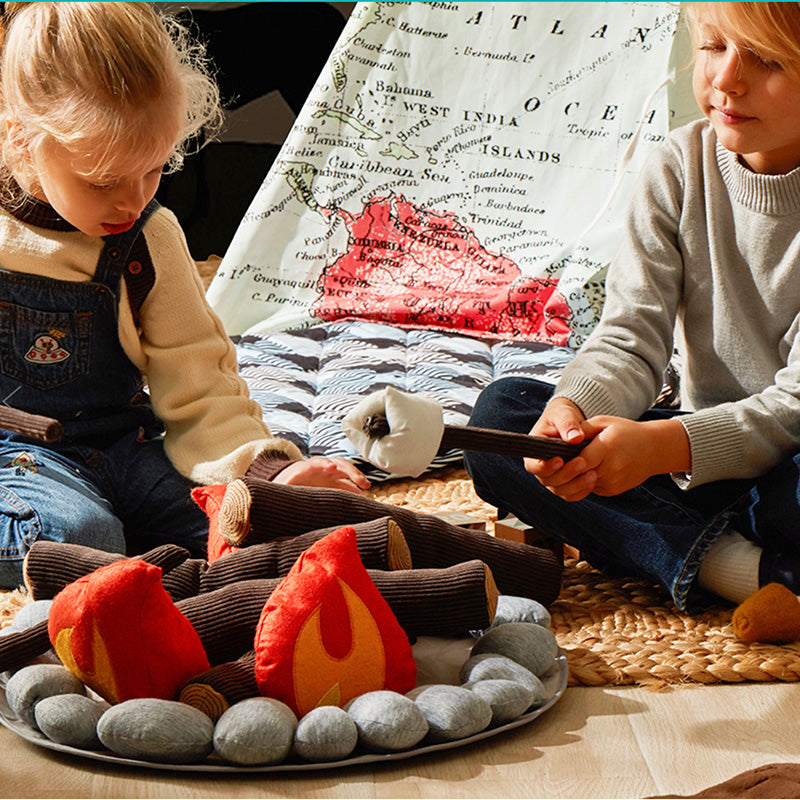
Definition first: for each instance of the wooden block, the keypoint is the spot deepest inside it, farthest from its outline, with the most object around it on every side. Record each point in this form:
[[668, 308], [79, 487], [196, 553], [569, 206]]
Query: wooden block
[[461, 520], [516, 530]]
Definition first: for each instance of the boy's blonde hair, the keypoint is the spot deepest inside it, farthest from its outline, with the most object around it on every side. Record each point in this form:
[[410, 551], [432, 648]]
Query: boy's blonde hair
[[770, 30], [89, 75]]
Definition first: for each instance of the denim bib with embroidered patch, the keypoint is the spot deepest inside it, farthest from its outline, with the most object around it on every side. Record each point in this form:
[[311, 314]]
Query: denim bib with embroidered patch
[[60, 354]]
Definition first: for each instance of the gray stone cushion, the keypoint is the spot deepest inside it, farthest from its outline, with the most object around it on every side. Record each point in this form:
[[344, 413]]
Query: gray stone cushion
[[453, 712], [29, 685], [387, 721], [532, 646], [71, 719], [157, 730], [258, 730], [326, 733]]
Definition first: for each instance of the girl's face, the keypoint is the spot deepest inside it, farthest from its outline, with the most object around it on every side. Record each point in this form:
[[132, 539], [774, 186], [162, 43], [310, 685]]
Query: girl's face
[[97, 207], [753, 105], [100, 205]]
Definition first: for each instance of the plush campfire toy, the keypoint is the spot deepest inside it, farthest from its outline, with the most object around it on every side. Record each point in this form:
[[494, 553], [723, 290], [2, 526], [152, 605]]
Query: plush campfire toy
[[215, 632]]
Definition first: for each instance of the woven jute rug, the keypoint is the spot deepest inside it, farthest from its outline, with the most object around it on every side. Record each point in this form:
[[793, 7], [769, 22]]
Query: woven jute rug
[[618, 631], [614, 631], [10, 603]]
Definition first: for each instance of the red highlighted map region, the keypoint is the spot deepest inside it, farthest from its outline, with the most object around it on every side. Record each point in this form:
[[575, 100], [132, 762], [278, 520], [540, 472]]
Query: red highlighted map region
[[419, 268]]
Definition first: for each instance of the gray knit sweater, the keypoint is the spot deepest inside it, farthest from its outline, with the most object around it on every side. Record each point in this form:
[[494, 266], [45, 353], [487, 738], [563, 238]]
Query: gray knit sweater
[[711, 252]]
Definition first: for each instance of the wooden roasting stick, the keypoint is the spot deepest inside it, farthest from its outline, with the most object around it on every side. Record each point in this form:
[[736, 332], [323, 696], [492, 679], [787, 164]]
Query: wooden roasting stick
[[34, 425], [518, 445]]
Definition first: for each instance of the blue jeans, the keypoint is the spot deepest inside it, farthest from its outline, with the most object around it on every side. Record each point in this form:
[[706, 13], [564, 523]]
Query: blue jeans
[[125, 498], [656, 530]]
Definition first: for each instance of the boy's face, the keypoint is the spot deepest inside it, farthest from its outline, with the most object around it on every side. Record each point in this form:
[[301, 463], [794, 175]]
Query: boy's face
[[753, 105]]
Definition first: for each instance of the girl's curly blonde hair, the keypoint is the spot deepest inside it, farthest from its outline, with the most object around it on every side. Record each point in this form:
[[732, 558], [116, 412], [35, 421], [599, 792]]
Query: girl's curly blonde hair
[[89, 76]]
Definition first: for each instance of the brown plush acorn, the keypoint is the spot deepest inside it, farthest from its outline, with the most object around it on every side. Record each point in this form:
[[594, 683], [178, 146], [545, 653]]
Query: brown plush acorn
[[772, 614]]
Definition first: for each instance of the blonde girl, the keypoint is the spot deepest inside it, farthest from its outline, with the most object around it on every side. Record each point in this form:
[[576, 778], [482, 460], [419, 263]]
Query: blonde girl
[[99, 295]]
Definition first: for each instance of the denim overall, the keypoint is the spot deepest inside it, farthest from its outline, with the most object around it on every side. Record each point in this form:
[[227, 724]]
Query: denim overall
[[107, 483], [655, 530]]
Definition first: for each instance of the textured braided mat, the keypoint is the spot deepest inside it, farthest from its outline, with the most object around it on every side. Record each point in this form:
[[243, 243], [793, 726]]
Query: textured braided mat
[[613, 630], [10, 603], [621, 630]]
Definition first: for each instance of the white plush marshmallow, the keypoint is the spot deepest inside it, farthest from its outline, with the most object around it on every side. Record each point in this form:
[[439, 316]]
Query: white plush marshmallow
[[415, 431]]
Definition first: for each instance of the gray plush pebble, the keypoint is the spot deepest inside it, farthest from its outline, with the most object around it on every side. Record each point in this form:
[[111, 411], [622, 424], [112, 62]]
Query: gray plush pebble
[[31, 614], [414, 693], [258, 730], [325, 734], [453, 712], [29, 685], [70, 719], [490, 666], [532, 646], [508, 699], [387, 721], [520, 609], [151, 729]]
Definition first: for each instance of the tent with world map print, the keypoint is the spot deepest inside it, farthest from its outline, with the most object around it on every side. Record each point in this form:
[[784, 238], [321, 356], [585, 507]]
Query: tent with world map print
[[445, 207]]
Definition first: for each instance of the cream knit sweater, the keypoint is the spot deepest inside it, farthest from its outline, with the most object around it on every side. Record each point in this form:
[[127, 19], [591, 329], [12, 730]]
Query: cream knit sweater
[[213, 428]]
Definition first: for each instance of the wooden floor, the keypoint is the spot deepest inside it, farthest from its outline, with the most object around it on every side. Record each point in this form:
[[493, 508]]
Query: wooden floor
[[595, 742]]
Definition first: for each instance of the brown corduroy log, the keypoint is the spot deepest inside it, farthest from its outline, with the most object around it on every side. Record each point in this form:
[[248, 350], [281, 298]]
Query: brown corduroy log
[[440, 602], [34, 425], [226, 619], [215, 690], [380, 542], [434, 602], [19, 648], [50, 566], [274, 509]]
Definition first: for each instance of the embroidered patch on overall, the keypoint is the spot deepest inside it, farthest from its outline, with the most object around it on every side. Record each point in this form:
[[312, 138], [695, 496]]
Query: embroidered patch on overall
[[22, 462], [46, 349]]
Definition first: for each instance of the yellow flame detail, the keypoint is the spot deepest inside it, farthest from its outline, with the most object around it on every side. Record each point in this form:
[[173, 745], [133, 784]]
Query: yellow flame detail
[[102, 678], [319, 678]]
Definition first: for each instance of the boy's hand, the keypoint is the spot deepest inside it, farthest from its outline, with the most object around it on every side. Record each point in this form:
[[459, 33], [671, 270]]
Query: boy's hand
[[622, 454], [329, 473], [562, 419]]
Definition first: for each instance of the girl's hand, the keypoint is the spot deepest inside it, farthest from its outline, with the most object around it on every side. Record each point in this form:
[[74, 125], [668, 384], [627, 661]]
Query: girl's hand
[[329, 473]]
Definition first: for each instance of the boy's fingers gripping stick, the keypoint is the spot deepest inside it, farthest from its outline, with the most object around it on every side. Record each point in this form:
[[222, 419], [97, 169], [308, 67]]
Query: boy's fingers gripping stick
[[401, 433]]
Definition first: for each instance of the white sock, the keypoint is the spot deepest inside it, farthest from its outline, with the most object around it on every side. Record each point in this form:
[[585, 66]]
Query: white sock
[[730, 568]]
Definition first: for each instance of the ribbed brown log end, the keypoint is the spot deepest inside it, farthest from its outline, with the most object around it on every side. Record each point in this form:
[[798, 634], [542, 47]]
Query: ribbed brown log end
[[234, 513], [398, 553]]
